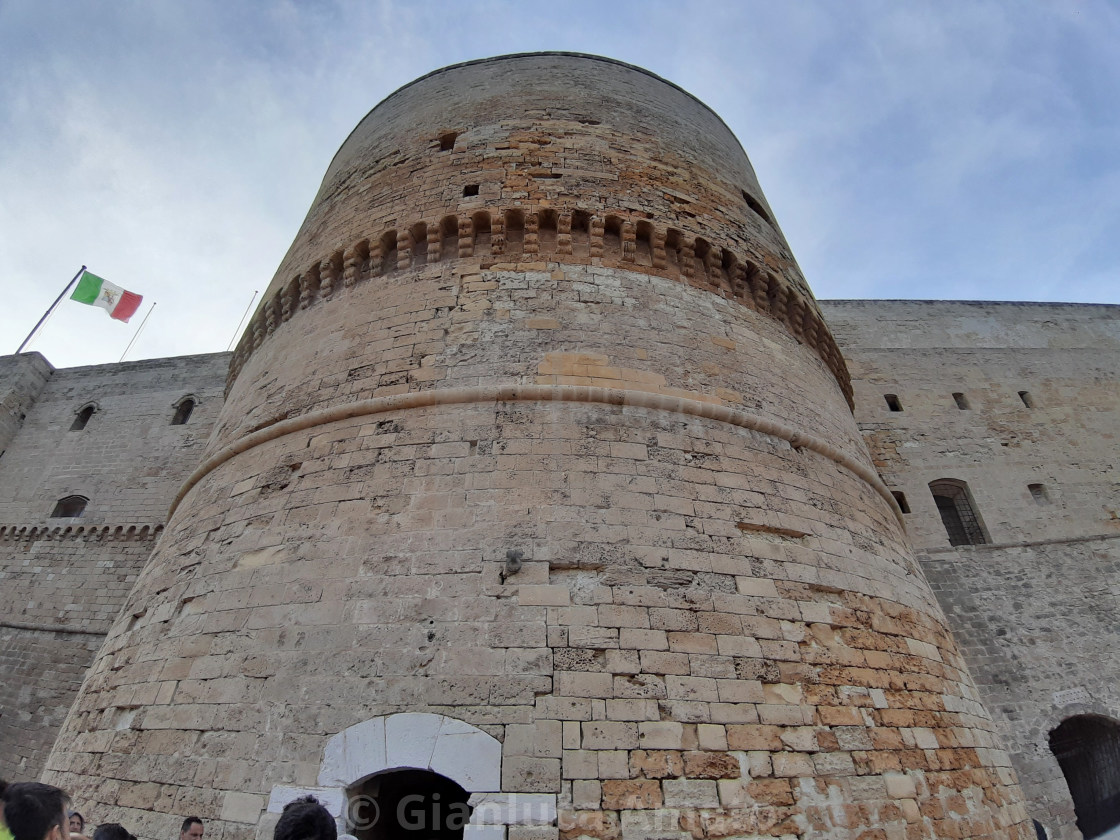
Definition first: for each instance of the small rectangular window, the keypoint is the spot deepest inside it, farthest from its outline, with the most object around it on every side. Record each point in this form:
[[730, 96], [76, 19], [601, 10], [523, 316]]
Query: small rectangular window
[[1039, 494], [892, 402], [1025, 396], [900, 497], [962, 401], [470, 189]]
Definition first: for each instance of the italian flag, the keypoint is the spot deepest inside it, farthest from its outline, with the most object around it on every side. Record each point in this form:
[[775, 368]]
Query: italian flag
[[120, 304]]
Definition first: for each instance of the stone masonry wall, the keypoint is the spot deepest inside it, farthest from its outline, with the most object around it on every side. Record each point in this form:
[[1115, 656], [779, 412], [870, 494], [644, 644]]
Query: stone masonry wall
[[1035, 610], [63, 580], [60, 593]]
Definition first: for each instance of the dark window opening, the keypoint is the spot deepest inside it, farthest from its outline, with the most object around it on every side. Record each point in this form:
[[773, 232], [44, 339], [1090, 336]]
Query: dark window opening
[[547, 223], [82, 418], [957, 513], [752, 203], [962, 401], [612, 238], [892, 402], [1088, 751], [407, 803], [449, 238], [581, 234], [388, 252], [69, 506], [482, 235], [183, 412], [419, 237], [447, 141], [470, 189], [643, 243], [1026, 398], [515, 232], [1039, 494], [900, 497]]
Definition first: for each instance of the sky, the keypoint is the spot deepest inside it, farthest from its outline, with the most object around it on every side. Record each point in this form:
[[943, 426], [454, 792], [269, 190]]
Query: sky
[[966, 150]]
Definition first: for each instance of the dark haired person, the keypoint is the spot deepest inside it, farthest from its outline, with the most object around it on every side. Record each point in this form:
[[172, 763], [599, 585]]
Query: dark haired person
[[34, 811], [77, 825], [112, 831], [305, 819], [191, 829], [4, 833]]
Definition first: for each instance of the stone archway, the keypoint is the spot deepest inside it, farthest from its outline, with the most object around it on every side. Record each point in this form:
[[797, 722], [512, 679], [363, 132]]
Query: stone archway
[[1087, 748], [426, 750]]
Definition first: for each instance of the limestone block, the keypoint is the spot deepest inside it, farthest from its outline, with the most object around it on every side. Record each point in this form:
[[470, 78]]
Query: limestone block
[[513, 808]]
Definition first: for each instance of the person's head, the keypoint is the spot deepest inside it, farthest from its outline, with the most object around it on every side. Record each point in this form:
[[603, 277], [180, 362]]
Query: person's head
[[35, 811], [305, 819], [112, 831], [191, 829], [77, 823]]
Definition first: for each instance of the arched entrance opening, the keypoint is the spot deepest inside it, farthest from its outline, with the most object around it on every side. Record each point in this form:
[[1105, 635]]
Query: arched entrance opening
[[407, 803], [1088, 750]]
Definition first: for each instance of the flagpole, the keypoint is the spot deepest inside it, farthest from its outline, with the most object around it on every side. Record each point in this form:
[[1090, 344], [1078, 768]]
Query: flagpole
[[136, 334], [242, 321], [47, 314]]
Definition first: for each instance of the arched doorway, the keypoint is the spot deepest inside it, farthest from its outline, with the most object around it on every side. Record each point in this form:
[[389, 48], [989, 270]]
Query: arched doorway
[[407, 803], [1088, 750]]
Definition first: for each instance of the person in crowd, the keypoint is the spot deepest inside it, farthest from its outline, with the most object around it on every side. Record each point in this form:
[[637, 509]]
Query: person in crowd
[[112, 831], [34, 811], [305, 819], [191, 829], [77, 825], [4, 833]]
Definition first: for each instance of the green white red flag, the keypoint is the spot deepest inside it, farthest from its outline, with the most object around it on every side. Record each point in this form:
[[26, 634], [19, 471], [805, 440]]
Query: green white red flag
[[119, 303]]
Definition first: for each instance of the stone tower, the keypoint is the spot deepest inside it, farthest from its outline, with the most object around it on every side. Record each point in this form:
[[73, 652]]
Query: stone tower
[[537, 491]]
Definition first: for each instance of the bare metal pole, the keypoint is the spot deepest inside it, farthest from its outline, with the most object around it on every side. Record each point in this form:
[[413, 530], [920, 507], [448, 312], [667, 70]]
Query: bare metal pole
[[47, 314], [242, 321], [136, 334]]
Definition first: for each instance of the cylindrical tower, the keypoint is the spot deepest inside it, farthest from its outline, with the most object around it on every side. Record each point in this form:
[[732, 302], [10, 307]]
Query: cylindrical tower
[[537, 492]]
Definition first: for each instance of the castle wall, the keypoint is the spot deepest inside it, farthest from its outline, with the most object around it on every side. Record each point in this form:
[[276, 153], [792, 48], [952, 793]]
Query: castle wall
[[63, 580], [60, 594], [1034, 610], [129, 459]]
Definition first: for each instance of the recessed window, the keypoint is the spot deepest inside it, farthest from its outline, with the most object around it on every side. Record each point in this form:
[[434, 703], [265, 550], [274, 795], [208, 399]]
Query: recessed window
[[69, 506], [1039, 494], [892, 402], [82, 418], [1025, 396], [447, 141], [900, 497], [962, 401], [470, 189], [958, 515], [183, 412], [753, 203]]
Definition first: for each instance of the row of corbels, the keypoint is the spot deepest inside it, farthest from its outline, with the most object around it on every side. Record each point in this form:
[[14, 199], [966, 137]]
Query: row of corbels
[[694, 261]]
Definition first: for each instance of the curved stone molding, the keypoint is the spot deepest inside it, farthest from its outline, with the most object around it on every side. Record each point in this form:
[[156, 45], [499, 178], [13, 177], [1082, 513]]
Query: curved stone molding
[[542, 393], [612, 241], [82, 532], [454, 749], [51, 628]]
